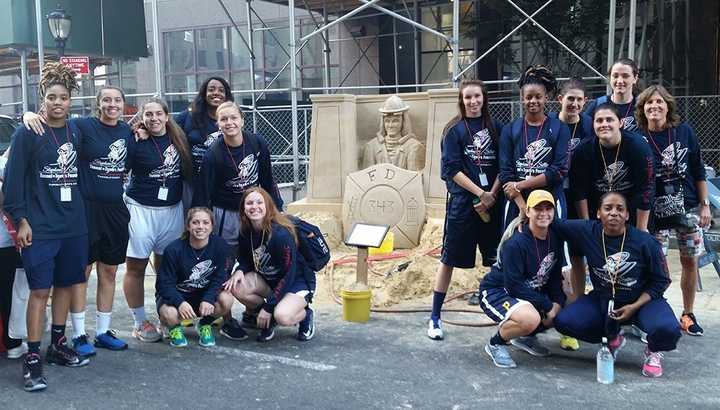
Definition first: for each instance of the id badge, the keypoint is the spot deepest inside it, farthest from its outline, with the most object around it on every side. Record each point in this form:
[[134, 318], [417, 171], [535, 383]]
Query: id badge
[[483, 179], [566, 183], [611, 308], [65, 194], [669, 189], [162, 193]]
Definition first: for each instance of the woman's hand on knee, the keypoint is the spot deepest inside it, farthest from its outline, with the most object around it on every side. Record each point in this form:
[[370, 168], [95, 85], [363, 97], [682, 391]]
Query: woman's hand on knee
[[186, 311], [206, 309], [231, 284]]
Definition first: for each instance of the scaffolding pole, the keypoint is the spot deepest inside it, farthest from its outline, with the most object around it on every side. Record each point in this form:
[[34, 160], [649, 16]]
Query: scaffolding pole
[[156, 50], [611, 34], [631, 29], [40, 46], [456, 44], [417, 44], [24, 78], [326, 52], [294, 99], [338, 20], [250, 43]]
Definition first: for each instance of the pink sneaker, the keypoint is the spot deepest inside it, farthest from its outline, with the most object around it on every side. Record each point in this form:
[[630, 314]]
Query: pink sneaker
[[616, 344], [652, 363]]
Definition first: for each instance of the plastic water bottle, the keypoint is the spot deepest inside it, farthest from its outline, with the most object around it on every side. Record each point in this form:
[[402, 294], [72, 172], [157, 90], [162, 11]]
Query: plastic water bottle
[[605, 364]]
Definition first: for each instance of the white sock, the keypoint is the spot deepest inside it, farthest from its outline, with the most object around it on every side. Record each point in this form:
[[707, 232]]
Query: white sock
[[102, 322], [78, 323], [138, 316]]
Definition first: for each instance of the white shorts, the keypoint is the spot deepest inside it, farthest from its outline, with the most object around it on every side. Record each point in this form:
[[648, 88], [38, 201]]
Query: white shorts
[[227, 225], [152, 228]]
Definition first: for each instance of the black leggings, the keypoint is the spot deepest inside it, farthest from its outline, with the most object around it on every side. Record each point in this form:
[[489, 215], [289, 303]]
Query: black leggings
[[9, 261]]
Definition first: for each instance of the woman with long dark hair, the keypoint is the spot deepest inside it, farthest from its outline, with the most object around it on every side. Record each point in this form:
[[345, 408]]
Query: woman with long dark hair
[[681, 193], [159, 165], [469, 168]]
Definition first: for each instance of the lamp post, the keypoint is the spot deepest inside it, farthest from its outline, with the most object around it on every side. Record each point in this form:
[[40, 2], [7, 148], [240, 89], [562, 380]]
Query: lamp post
[[59, 23]]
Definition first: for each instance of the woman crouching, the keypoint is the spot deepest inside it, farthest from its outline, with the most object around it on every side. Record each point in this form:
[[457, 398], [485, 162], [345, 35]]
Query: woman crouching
[[271, 273], [190, 279]]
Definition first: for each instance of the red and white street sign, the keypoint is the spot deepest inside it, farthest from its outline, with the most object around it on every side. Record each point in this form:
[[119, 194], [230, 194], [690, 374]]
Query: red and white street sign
[[81, 65]]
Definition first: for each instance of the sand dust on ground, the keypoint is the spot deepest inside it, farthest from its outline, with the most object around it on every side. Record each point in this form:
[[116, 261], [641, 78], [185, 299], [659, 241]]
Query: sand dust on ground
[[389, 285]]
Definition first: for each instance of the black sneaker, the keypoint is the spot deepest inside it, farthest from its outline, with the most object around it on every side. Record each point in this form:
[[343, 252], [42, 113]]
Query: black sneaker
[[268, 334], [474, 299], [33, 373], [689, 323], [232, 330], [306, 329], [249, 319], [63, 355]]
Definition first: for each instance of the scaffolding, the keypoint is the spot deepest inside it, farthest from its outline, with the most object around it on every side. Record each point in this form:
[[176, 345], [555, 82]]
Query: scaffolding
[[326, 14]]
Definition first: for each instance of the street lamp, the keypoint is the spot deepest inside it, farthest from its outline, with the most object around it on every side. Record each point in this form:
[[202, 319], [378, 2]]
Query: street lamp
[[59, 23]]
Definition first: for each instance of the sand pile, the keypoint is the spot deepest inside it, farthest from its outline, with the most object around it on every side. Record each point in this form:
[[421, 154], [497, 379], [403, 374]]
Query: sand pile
[[406, 279]]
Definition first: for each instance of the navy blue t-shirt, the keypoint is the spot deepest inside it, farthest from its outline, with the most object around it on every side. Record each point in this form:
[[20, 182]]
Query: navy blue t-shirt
[[689, 165], [199, 139], [627, 112], [632, 174], [529, 269], [278, 261], [39, 168], [186, 271], [228, 171], [473, 151], [535, 152], [103, 155], [580, 131], [155, 163], [641, 266]]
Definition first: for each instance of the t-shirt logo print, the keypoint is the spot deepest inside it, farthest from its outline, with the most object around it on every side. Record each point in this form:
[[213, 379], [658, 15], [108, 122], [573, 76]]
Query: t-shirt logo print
[[64, 167], [114, 163], [199, 277], [170, 166], [543, 272], [617, 173], [534, 162], [618, 263], [668, 158], [265, 266], [481, 148], [247, 174]]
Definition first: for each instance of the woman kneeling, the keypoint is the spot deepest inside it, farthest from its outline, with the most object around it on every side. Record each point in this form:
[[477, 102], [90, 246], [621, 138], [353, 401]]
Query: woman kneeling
[[629, 276], [523, 290], [190, 279], [271, 274]]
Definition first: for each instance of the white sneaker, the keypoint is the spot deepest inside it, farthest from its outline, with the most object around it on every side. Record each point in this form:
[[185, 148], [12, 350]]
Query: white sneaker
[[17, 352], [435, 331]]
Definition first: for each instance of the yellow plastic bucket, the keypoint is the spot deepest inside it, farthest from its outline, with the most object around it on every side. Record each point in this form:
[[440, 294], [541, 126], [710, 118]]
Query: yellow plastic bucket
[[356, 305], [387, 245]]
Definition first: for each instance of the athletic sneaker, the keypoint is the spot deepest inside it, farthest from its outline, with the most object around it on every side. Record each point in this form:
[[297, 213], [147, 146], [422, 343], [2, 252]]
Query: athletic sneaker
[[249, 319], [435, 331], [147, 333], [187, 323], [474, 299], [500, 355], [531, 345], [690, 325], [232, 330], [569, 343], [109, 340], [207, 338], [268, 334], [33, 373], [652, 363], [82, 346], [617, 344], [17, 352], [639, 333], [177, 337], [306, 328], [63, 355]]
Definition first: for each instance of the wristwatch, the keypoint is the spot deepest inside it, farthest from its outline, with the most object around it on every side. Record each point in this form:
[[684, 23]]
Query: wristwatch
[[705, 202]]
